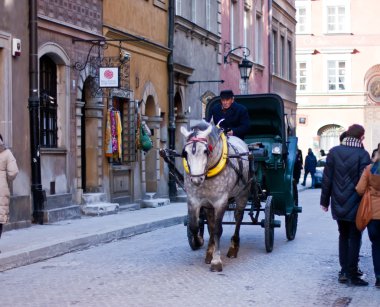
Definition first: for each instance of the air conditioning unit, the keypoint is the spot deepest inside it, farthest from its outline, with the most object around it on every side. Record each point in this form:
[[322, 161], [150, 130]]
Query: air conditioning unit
[[16, 47]]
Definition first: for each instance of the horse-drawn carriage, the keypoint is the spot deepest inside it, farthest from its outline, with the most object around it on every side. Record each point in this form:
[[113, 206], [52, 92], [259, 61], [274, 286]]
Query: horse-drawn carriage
[[226, 173]]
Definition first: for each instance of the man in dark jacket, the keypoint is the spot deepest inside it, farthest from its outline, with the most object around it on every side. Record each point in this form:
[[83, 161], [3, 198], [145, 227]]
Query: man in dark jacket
[[310, 167], [344, 165], [235, 116]]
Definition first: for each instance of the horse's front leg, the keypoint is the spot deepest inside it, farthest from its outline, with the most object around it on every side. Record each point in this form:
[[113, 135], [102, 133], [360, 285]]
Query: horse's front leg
[[211, 230], [235, 239], [216, 263], [193, 215]]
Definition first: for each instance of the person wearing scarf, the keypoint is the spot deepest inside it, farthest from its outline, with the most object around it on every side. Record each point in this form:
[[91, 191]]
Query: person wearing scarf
[[371, 179], [344, 166]]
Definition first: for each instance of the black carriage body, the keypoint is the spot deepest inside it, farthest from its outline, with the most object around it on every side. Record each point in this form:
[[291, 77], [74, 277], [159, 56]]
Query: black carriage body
[[274, 145]]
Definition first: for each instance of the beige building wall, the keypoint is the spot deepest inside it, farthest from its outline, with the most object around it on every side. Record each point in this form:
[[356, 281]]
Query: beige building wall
[[344, 53], [142, 28]]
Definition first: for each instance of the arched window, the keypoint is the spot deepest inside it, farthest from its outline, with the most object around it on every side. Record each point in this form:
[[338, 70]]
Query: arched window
[[48, 102], [329, 136]]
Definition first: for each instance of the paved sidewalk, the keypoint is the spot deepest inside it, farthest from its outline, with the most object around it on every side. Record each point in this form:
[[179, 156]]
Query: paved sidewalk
[[40, 242]]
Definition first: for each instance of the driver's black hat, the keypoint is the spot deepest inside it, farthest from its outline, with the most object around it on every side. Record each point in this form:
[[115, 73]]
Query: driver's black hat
[[226, 94]]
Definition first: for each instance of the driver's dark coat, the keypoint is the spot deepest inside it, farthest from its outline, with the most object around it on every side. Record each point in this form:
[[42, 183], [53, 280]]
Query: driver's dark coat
[[235, 118], [344, 166]]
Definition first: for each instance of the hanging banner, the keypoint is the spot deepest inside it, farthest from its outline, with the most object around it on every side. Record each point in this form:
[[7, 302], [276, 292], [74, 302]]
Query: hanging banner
[[108, 77]]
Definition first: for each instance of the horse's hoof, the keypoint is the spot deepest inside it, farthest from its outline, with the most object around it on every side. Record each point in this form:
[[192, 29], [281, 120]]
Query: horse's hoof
[[232, 253], [208, 258], [216, 267]]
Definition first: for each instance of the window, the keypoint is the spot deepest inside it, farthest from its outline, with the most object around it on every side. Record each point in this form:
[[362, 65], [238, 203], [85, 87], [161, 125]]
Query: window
[[303, 17], [178, 7], [335, 18], [259, 39], [337, 14], [336, 75], [248, 36], [208, 15], [48, 102], [301, 76], [301, 20], [290, 60], [234, 29], [282, 56], [275, 52], [194, 11]]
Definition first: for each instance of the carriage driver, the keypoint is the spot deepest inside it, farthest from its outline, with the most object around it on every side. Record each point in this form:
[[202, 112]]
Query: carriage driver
[[236, 119]]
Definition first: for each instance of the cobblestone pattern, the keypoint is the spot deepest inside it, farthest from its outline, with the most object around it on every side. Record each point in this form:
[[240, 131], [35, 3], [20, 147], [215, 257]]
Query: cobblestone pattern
[[159, 269]]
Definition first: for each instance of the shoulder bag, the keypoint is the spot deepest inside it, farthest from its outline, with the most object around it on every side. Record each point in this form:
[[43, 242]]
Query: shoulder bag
[[364, 214]]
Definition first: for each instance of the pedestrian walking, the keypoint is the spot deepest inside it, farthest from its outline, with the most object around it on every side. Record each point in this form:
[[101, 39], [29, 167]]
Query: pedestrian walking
[[370, 179], [8, 172], [310, 167], [322, 152], [376, 153], [344, 166], [298, 166]]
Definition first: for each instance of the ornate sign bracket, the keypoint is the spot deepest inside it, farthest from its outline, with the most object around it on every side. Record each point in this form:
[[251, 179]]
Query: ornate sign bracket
[[98, 63]]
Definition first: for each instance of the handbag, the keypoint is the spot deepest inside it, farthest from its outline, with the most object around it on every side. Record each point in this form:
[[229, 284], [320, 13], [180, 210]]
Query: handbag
[[364, 214]]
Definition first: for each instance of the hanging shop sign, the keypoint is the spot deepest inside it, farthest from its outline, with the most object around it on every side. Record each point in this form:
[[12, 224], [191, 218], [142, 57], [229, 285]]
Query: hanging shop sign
[[109, 77]]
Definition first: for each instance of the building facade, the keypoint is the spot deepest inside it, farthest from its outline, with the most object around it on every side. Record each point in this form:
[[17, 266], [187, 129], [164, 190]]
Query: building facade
[[337, 71], [14, 81], [141, 34], [266, 31]]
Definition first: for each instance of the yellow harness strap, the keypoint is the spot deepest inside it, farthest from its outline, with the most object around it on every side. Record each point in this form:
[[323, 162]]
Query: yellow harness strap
[[221, 163]]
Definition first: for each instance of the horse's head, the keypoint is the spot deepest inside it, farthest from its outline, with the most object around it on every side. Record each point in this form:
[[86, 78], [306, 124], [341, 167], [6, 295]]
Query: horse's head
[[196, 151]]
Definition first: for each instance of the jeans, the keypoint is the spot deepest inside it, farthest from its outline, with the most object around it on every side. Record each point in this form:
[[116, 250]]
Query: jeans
[[349, 247], [312, 178], [374, 235]]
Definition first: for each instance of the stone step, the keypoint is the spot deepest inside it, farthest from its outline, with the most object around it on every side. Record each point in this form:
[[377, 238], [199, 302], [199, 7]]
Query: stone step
[[57, 201], [155, 202], [90, 198], [129, 207], [60, 214], [99, 208]]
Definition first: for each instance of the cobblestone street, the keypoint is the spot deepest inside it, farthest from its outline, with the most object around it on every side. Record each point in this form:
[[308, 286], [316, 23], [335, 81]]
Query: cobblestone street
[[160, 269]]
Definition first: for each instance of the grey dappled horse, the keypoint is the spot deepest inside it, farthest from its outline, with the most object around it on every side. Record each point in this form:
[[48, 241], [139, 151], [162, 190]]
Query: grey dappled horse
[[203, 151]]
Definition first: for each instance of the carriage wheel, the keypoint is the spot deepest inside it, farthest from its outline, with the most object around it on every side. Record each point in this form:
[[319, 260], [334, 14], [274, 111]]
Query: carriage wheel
[[201, 230], [291, 220], [269, 224]]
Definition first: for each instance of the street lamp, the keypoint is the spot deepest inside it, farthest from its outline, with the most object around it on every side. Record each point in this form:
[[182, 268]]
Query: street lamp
[[245, 67]]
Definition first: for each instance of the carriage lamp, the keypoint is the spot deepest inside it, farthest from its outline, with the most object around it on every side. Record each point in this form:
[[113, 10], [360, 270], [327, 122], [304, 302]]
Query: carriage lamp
[[276, 148]]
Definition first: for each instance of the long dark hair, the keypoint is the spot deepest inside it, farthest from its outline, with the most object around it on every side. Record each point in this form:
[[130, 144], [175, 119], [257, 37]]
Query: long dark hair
[[1, 138]]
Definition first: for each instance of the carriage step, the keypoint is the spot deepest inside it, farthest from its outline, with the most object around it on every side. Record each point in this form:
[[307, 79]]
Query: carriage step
[[275, 223]]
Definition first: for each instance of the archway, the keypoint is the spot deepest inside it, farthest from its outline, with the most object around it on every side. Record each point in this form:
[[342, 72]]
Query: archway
[[329, 136], [151, 167]]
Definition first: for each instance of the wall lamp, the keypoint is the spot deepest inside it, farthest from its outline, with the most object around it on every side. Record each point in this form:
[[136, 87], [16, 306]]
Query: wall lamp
[[245, 67]]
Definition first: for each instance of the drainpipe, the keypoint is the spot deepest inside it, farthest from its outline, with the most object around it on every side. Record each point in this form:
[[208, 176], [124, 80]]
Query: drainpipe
[[38, 195], [171, 128], [270, 54]]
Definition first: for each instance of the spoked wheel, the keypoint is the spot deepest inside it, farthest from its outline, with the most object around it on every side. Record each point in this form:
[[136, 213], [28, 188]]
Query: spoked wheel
[[269, 224], [291, 220], [201, 230]]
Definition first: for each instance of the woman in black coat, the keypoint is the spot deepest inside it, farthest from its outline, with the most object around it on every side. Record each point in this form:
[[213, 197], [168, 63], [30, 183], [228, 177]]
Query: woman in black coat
[[344, 165]]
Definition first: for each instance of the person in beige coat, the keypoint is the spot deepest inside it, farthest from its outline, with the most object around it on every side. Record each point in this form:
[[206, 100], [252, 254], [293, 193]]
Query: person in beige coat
[[371, 179], [8, 172]]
